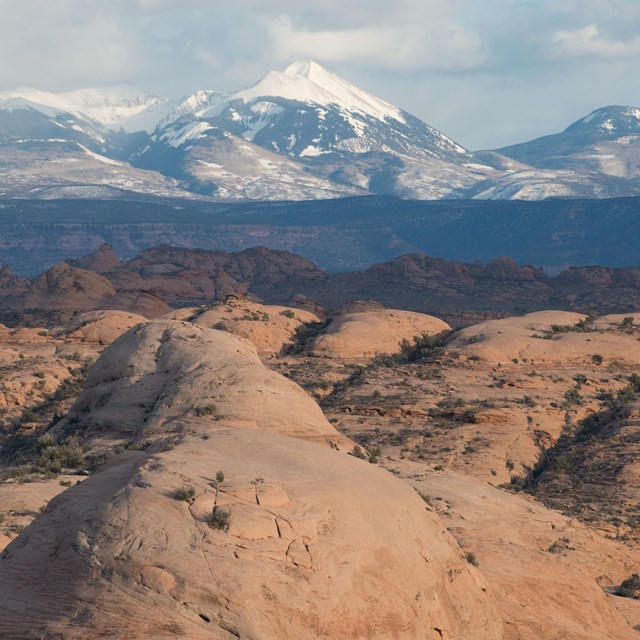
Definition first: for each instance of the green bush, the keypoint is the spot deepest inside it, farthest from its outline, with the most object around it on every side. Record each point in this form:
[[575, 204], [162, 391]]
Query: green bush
[[56, 457]]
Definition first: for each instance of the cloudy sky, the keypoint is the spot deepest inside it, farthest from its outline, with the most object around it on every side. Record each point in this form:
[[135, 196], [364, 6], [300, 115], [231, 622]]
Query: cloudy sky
[[486, 72]]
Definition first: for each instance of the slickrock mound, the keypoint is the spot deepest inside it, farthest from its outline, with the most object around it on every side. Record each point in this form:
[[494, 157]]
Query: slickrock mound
[[102, 327], [596, 276], [102, 260], [160, 376], [144, 303], [10, 284], [368, 333], [21, 503], [69, 288], [552, 576], [268, 327], [505, 268], [618, 321], [178, 275], [546, 336], [304, 541]]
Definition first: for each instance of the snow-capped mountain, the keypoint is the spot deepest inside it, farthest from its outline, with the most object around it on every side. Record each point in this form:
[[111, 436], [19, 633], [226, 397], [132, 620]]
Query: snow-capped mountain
[[307, 111], [606, 141], [112, 107], [330, 128], [304, 133], [46, 152], [214, 162]]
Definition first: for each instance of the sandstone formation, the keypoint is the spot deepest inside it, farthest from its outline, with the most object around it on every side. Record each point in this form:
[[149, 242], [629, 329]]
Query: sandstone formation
[[552, 576], [460, 293], [546, 336], [269, 327], [364, 334], [284, 536], [68, 288], [102, 327], [102, 260]]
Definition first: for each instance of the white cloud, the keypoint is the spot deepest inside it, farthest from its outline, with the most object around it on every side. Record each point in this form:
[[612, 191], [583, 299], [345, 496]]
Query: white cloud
[[589, 42], [442, 45]]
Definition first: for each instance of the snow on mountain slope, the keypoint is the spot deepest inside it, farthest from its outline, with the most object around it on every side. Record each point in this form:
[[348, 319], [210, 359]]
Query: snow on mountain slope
[[538, 184], [211, 161], [605, 141], [307, 111], [338, 132], [112, 107], [302, 133], [306, 81], [55, 167]]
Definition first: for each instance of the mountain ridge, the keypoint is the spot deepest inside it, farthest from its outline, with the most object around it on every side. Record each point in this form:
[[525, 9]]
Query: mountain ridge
[[303, 133]]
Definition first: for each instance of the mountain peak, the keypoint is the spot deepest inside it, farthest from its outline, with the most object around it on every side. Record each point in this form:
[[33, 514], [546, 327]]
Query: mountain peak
[[307, 81], [305, 68], [611, 120]]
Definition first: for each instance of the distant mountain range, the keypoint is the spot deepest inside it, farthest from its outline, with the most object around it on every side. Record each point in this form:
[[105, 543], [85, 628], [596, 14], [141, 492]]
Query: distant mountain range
[[302, 134]]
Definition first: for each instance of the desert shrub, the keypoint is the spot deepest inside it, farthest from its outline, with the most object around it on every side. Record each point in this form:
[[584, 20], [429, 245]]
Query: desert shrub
[[66, 455], [288, 313], [424, 347], [359, 452], [220, 519], [626, 394], [470, 557], [582, 326], [596, 358], [630, 588], [374, 454], [627, 323], [186, 494], [572, 397], [220, 477], [207, 410], [634, 381], [304, 333]]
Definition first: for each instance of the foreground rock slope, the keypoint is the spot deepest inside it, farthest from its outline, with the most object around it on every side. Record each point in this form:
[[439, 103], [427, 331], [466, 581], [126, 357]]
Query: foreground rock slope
[[282, 536]]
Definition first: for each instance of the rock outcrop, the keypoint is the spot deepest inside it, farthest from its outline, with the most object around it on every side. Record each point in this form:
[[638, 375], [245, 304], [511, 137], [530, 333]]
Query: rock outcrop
[[269, 327], [282, 536], [547, 336], [68, 288], [365, 334], [102, 327], [103, 259]]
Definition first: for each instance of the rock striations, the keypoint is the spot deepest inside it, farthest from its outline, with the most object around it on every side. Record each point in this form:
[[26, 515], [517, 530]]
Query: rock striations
[[283, 535]]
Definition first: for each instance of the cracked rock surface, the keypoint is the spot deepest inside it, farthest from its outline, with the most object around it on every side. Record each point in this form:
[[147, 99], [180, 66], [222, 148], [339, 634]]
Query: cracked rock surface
[[281, 534]]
